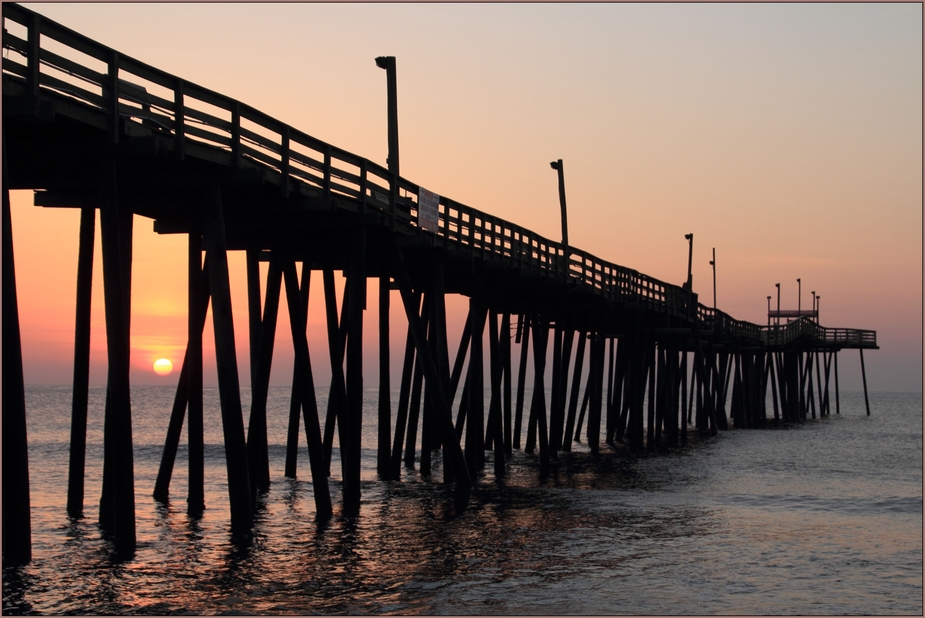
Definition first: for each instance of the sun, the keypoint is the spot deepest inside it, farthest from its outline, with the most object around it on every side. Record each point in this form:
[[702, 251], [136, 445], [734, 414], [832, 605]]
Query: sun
[[163, 367]]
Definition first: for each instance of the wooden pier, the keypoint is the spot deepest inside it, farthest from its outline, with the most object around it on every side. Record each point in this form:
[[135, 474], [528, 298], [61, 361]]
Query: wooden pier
[[134, 140]]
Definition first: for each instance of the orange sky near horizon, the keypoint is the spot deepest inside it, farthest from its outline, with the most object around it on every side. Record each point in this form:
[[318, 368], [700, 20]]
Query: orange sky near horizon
[[788, 136]]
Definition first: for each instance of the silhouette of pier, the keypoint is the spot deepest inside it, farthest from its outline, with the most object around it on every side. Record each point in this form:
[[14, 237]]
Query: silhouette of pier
[[93, 129]]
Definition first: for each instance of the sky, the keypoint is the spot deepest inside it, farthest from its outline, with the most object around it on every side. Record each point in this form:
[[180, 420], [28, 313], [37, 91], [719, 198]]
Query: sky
[[786, 136]]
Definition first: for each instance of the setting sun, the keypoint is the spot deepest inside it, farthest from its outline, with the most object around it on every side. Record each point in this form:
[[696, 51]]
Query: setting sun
[[163, 367]]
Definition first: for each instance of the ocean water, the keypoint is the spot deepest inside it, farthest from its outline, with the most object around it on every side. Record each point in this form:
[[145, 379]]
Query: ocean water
[[819, 518]]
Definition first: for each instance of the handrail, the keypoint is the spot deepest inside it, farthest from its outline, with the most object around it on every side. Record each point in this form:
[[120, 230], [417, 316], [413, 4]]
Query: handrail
[[195, 115]]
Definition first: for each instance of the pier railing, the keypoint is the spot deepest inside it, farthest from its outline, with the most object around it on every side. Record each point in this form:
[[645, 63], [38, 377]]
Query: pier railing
[[128, 97]]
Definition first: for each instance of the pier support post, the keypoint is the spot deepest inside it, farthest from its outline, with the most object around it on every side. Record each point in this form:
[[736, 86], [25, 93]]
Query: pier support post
[[353, 419], [76, 464], [189, 390], [198, 292], [448, 431], [495, 422], [864, 377], [404, 393], [17, 525], [505, 341], [555, 419], [385, 394], [684, 404], [651, 356], [567, 436], [524, 327], [257, 448], [316, 456], [837, 406], [254, 318], [538, 406], [117, 502], [475, 421], [295, 398], [773, 384], [597, 392], [337, 398], [239, 491], [612, 385], [417, 385]]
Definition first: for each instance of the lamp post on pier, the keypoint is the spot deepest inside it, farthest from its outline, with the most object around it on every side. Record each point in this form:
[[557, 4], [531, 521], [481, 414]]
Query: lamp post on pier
[[557, 165], [812, 296], [388, 63], [690, 261], [777, 321], [713, 264], [817, 309], [769, 311], [799, 295]]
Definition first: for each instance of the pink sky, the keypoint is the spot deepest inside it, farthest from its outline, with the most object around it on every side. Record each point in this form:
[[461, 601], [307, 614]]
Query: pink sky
[[787, 136]]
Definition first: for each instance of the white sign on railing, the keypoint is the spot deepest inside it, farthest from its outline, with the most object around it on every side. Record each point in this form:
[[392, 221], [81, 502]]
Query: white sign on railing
[[428, 210]]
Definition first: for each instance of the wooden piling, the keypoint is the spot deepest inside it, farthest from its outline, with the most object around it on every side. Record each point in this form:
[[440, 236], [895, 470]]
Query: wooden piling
[[17, 526], [773, 378], [404, 393], [80, 394], [538, 406], [579, 423], [573, 394], [448, 431], [337, 398], [609, 421], [495, 424], [295, 397], [239, 491], [117, 502], [254, 317], [837, 406], [651, 354], [385, 393], [864, 377], [521, 380], [198, 307], [597, 392], [505, 341], [427, 411], [353, 419], [198, 301], [257, 448], [417, 383], [819, 393], [316, 455], [475, 422], [556, 420]]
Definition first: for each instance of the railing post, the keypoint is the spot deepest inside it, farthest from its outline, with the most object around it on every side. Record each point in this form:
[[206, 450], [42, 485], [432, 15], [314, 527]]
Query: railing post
[[179, 114], [393, 200], [32, 57], [363, 185], [284, 162], [112, 96], [235, 134]]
